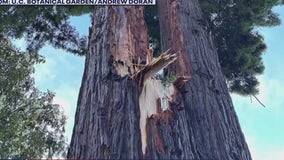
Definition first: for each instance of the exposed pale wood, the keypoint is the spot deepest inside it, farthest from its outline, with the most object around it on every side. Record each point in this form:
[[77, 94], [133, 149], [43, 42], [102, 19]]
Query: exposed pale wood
[[153, 100], [155, 66]]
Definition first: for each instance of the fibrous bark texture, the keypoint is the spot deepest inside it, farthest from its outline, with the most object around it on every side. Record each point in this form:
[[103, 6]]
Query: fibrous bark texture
[[124, 111], [119, 91], [204, 124], [107, 116]]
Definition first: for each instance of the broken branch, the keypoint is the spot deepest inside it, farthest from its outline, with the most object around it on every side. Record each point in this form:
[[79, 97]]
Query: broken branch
[[156, 65], [258, 100]]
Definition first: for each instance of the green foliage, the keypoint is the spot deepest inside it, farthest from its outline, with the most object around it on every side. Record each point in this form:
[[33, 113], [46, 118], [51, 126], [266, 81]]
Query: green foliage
[[238, 44], [44, 24], [152, 21], [167, 80], [31, 125], [232, 23]]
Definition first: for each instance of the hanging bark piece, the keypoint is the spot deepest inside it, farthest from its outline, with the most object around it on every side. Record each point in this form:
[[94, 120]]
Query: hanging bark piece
[[180, 81], [152, 91]]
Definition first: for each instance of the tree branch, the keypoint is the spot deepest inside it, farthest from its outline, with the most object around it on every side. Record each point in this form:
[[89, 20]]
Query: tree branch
[[258, 100], [155, 66]]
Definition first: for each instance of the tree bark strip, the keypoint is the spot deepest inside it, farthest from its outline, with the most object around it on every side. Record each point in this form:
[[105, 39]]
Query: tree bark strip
[[204, 123]]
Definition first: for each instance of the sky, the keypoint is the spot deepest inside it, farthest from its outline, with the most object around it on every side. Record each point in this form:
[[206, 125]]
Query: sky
[[262, 127]]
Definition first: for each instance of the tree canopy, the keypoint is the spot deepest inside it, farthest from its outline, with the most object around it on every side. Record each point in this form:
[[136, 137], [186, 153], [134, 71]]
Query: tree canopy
[[44, 24], [239, 44], [232, 23], [31, 125]]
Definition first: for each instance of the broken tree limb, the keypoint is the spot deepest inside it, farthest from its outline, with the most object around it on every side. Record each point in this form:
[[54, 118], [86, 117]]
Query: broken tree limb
[[258, 100], [155, 66]]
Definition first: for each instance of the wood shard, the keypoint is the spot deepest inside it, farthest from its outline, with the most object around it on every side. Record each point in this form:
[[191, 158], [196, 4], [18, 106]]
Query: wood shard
[[156, 65]]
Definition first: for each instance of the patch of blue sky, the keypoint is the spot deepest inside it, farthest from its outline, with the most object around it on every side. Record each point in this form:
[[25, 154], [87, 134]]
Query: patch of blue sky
[[263, 127], [62, 73]]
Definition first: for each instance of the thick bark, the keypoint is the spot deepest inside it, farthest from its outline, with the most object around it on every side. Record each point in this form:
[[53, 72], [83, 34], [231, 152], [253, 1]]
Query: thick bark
[[124, 112], [107, 116], [203, 124], [119, 91]]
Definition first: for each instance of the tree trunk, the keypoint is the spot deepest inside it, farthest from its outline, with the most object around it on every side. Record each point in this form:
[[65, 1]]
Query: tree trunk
[[124, 112], [107, 116], [203, 124]]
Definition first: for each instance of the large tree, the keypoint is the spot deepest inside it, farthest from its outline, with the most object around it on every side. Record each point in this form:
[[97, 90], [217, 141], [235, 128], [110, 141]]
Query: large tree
[[185, 119]]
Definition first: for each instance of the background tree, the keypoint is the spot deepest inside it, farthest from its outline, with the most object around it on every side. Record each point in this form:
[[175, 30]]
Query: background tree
[[238, 43], [31, 125], [44, 24]]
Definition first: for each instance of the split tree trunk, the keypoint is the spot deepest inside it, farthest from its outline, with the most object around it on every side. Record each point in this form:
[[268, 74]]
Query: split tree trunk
[[197, 121], [204, 124], [107, 116]]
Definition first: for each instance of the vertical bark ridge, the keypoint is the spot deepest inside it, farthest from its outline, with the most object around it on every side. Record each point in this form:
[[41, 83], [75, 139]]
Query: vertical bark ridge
[[181, 66]]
